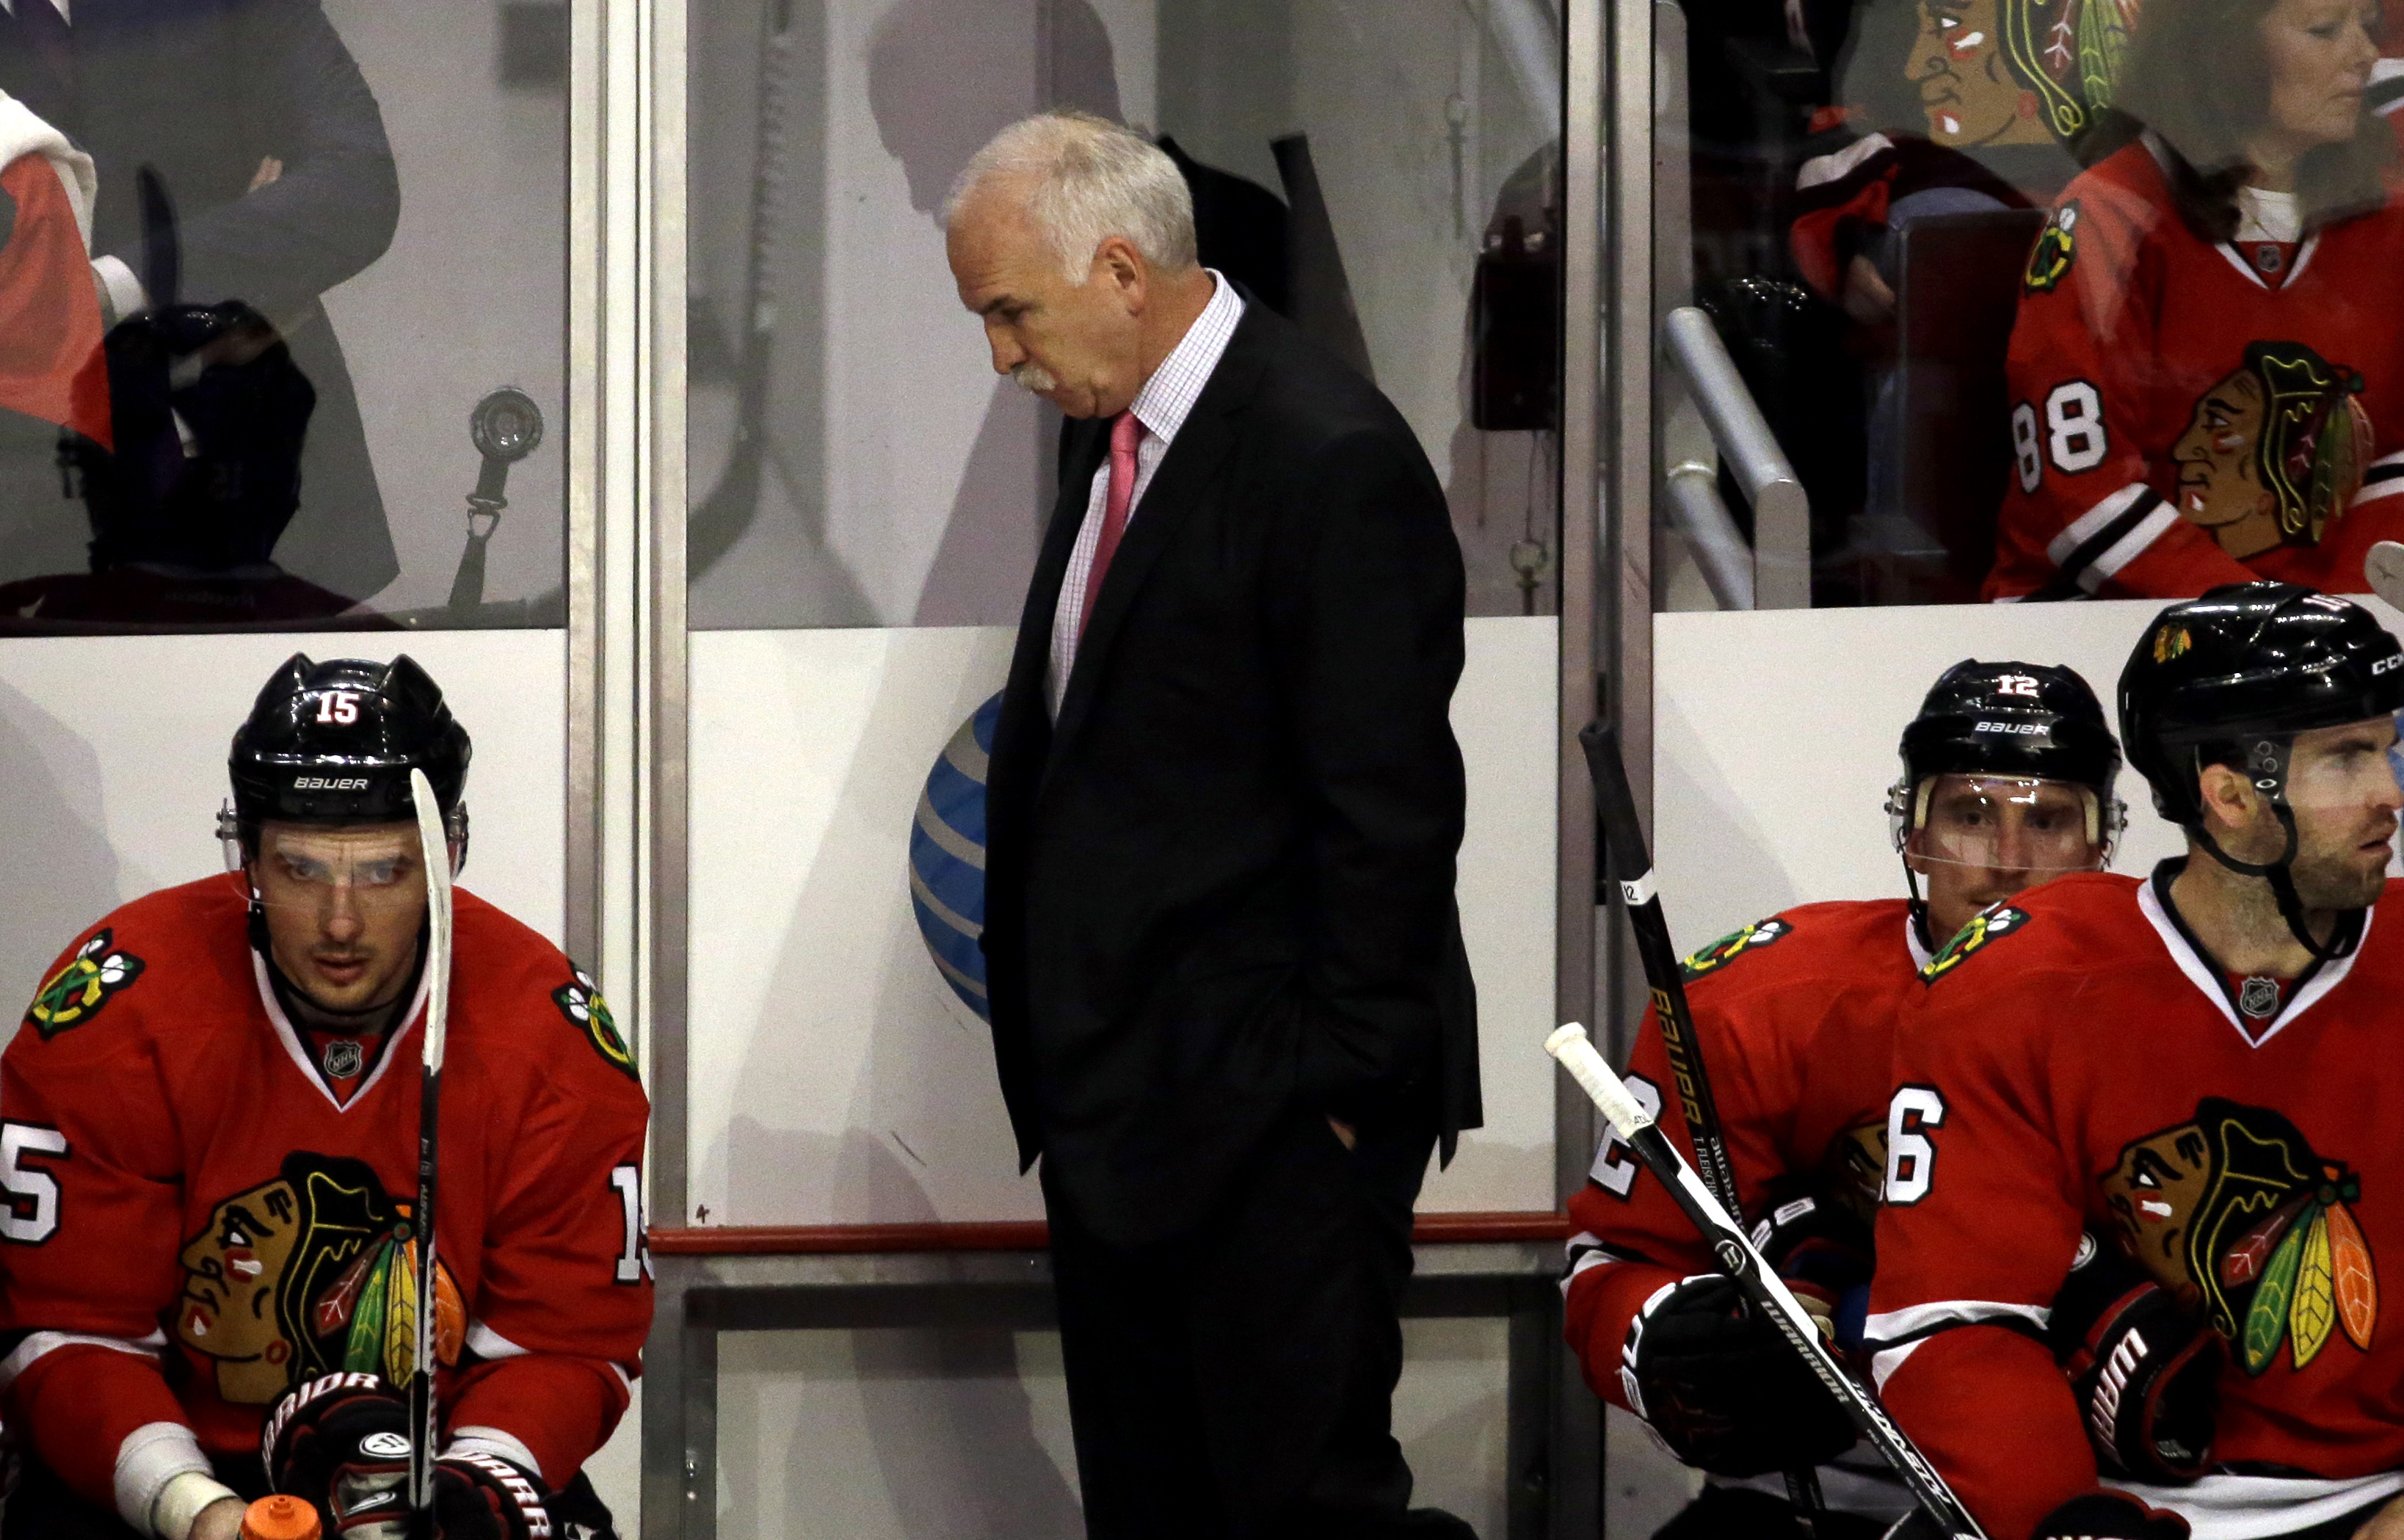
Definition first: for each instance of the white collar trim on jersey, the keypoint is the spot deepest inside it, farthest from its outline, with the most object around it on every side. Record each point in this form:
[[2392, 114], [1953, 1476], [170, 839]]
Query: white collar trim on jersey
[[293, 1046], [1921, 956], [2201, 972]]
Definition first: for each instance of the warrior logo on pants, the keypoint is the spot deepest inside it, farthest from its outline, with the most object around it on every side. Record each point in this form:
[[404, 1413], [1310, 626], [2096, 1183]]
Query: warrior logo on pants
[[2237, 1216], [311, 1272]]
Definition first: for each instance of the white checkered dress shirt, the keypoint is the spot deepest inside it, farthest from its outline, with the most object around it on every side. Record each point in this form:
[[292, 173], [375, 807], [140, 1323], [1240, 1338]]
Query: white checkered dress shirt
[[1162, 407]]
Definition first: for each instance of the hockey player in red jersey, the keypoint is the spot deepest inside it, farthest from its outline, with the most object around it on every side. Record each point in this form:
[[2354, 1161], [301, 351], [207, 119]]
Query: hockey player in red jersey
[[208, 1139], [2007, 777], [2206, 377], [2201, 1069]]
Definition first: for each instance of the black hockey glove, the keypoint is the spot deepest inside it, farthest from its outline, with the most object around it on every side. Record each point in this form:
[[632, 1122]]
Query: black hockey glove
[[1720, 1385], [341, 1443], [1822, 1252], [2146, 1375], [2109, 1515], [484, 1497]]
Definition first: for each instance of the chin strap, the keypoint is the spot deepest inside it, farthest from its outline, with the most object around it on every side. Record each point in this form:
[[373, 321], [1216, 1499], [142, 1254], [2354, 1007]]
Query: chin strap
[[2283, 887]]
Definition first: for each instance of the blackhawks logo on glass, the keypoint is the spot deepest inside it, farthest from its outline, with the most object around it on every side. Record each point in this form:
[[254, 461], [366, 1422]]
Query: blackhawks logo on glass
[[580, 1000], [74, 994], [1729, 947], [2236, 1214], [311, 1272]]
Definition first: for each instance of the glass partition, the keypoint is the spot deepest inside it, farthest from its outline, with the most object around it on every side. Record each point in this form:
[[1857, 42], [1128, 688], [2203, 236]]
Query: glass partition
[[283, 299], [2040, 300], [1390, 181]]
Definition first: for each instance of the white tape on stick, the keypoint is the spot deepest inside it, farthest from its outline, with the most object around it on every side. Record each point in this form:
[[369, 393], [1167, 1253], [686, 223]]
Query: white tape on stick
[[1640, 893], [1575, 1050]]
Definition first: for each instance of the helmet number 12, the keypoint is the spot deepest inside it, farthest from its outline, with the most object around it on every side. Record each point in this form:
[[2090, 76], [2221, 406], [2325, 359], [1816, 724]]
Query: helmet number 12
[[339, 707]]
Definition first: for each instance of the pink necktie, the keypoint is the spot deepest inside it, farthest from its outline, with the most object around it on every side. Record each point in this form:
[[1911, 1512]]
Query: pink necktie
[[1125, 433]]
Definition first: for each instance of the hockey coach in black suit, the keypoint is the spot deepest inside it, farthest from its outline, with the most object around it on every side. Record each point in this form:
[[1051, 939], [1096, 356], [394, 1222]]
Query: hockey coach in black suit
[[1231, 1008]]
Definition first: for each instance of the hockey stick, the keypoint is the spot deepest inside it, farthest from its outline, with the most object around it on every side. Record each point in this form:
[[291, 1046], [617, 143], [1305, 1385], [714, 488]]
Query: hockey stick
[[2384, 569], [1623, 844], [1743, 1263], [422, 1424]]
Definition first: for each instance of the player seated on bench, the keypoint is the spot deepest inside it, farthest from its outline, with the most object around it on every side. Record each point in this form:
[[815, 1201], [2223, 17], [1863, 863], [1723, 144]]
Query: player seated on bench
[[209, 1132], [2007, 777], [2205, 385]]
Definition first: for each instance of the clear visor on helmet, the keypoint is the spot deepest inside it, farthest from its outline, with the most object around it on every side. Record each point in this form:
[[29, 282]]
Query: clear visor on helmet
[[2008, 823], [327, 869], [2358, 765]]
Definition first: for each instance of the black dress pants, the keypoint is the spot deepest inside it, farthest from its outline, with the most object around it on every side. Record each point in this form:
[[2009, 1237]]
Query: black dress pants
[[1237, 1382]]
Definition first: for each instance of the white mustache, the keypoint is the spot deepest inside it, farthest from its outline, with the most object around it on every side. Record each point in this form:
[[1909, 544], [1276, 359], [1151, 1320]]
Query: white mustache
[[1034, 378]]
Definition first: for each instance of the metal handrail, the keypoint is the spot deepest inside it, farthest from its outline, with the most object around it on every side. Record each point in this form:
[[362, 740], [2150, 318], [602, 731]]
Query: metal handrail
[[1781, 555]]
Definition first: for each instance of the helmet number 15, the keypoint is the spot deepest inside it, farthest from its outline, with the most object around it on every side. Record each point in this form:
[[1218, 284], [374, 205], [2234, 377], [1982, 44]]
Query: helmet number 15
[[339, 707]]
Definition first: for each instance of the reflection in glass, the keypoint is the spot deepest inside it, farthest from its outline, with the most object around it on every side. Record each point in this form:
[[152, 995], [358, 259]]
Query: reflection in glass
[[204, 444], [1385, 175]]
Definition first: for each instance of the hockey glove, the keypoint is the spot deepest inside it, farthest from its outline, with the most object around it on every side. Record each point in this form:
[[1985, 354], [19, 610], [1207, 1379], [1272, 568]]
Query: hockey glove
[[2109, 1515], [342, 1442], [1821, 1250], [1719, 1384], [484, 1497], [2146, 1375]]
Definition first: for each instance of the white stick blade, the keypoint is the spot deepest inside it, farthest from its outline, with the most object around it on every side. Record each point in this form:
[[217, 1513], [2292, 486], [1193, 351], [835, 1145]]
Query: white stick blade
[[2384, 569]]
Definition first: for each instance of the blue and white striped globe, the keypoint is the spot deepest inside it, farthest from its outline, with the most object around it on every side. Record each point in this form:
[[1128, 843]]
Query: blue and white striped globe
[[947, 858]]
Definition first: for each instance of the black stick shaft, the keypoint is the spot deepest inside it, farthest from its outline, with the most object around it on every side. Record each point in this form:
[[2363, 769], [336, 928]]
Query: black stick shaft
[[422, 1426], [1631, 867]]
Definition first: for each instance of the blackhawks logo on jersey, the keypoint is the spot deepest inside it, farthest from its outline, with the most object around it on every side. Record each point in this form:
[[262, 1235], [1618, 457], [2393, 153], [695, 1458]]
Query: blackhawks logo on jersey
[[1992, 926], [74, 994], [1729, 947], [2236, 1214], [580, 1000], [2048, 261], [311, 1272]]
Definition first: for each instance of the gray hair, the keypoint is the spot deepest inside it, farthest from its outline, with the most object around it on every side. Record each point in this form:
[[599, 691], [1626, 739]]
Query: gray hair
[[1088, 179]]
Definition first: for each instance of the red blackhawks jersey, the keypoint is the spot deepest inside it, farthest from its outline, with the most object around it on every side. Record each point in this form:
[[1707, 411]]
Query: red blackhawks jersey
[[2185, 415], [1792, 1019], [200, 1220], [2085, 1066]]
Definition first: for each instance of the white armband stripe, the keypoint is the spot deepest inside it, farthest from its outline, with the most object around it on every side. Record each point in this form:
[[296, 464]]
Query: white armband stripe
[[488, 1344], [2152, 528], [498, 1442], [1893, 1335], [2090, 524], [39, 1343]]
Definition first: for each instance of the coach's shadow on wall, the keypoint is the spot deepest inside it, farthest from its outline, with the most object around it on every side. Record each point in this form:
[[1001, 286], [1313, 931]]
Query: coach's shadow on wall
[[940, 85], [63, 872]]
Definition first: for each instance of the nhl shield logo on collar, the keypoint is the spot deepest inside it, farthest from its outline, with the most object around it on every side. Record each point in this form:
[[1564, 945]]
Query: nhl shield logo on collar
[[2259, 998]]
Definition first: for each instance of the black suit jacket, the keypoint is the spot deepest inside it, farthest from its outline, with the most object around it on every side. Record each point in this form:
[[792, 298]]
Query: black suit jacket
[[1221, 888], [200, 92]]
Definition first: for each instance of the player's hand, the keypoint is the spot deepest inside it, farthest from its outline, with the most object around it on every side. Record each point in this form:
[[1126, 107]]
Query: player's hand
[[2386, 1524], [2146, 1374], [1719, 1382], [484, 1497], [1344, 1133], [2109, 1515], [341, 1443]]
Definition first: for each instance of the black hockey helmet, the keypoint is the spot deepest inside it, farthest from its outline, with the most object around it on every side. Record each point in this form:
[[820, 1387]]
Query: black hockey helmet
[[2248, 662], [2231, 678], [334, 742], [2032, 720]]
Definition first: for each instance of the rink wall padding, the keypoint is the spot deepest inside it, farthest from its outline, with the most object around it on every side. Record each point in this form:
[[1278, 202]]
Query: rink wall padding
[[837, 1081]]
